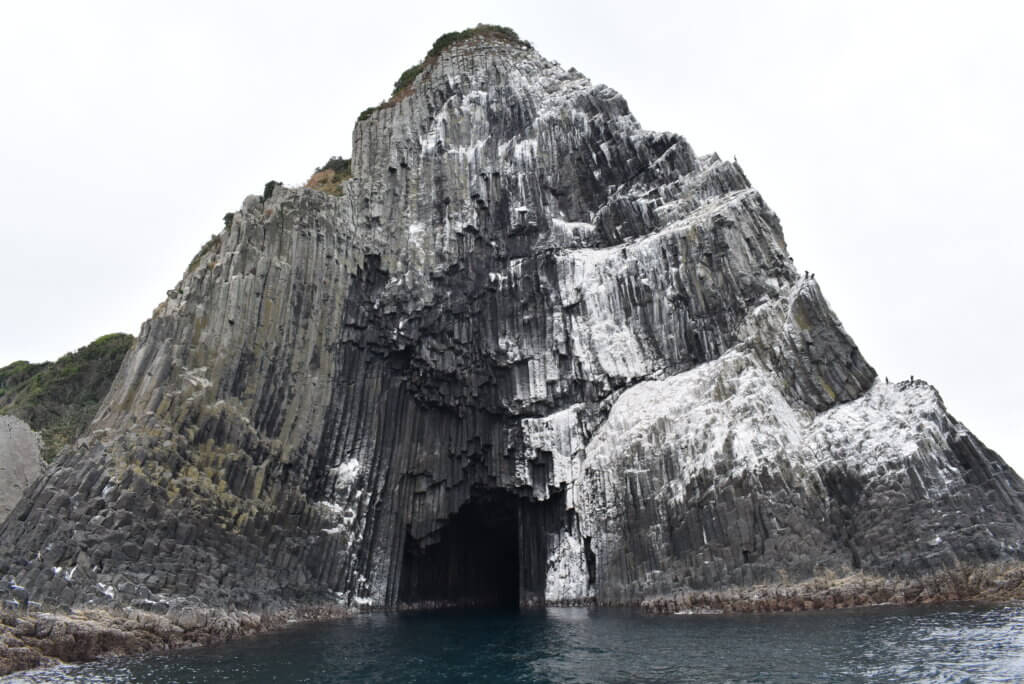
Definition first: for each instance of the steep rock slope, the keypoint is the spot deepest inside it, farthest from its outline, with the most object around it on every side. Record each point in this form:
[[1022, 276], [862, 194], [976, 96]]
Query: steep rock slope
[[528, 352]]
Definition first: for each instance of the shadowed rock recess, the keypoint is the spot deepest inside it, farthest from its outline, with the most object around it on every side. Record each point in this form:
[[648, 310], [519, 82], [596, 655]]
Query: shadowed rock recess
[[528, 353]]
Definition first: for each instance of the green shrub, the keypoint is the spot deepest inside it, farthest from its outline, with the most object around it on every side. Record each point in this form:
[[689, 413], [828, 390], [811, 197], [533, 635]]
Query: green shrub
[[58, 399], [407, 77], [339, 165], [443, 42], [331, 176], [485, 30]]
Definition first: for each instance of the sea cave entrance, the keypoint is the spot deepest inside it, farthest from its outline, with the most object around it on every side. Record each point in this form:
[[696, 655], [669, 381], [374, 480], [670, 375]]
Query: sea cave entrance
[[492, 553]]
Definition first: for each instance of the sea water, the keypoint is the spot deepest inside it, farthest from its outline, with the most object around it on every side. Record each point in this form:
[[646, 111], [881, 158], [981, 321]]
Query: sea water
[[948, 644]]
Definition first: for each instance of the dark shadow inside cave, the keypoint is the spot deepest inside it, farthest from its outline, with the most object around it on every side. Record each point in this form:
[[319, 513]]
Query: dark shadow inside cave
[[476, 561]]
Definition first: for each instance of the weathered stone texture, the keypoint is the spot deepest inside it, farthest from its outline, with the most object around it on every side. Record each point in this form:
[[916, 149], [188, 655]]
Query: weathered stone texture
[[522, 298], [20, 461]]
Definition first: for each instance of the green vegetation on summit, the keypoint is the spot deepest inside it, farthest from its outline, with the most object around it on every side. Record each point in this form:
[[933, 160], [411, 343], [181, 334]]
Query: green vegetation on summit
[[329, 177], [404, 83], [59, 398]]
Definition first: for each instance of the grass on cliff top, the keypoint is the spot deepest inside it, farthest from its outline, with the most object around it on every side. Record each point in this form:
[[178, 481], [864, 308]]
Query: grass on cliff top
[[59, 398], [403, 86], [329, 177]]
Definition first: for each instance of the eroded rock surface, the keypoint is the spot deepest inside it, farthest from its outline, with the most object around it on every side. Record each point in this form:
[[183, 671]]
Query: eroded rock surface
[[525, 323], [20, 461]]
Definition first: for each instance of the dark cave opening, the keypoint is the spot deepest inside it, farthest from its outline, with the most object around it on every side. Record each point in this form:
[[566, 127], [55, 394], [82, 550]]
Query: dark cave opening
[[476, 561]]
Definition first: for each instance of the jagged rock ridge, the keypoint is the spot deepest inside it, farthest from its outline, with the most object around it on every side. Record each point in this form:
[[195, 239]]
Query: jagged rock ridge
[[531, 353]]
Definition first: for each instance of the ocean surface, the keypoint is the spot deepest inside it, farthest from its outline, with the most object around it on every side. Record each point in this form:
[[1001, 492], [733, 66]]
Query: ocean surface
[[960, 644]]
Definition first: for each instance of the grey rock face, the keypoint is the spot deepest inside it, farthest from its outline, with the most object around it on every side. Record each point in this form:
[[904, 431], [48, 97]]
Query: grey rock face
[[533, 353], [20, 461]]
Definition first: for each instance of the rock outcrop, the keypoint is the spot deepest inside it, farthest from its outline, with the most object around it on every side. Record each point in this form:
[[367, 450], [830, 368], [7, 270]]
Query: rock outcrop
[[30, 640], [20, 462], [529, 352]]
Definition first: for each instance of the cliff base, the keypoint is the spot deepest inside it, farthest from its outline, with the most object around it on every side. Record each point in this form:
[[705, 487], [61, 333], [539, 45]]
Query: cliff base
[[47, 639]]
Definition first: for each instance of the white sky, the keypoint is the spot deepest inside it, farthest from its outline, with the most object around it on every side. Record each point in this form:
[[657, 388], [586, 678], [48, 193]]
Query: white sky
[[887, 136]]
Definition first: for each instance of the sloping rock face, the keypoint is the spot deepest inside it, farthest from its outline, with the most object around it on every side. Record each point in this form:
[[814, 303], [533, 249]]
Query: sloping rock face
[[20, 461], [533, 353]]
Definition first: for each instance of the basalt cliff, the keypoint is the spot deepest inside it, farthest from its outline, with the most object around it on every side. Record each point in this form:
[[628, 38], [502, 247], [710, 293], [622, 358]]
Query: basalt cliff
[[523, 352]]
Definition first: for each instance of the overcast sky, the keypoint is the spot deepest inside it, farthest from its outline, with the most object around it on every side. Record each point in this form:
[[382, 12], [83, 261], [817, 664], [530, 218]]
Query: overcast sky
[[887, 137]]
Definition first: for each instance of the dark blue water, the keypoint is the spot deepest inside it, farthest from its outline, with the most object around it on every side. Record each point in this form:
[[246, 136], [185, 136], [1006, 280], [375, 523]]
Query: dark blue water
[[963, 644]]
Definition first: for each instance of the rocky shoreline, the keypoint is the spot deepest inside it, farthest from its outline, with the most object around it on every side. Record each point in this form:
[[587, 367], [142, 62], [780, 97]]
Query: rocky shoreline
[[993, 582], [47, 639]]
